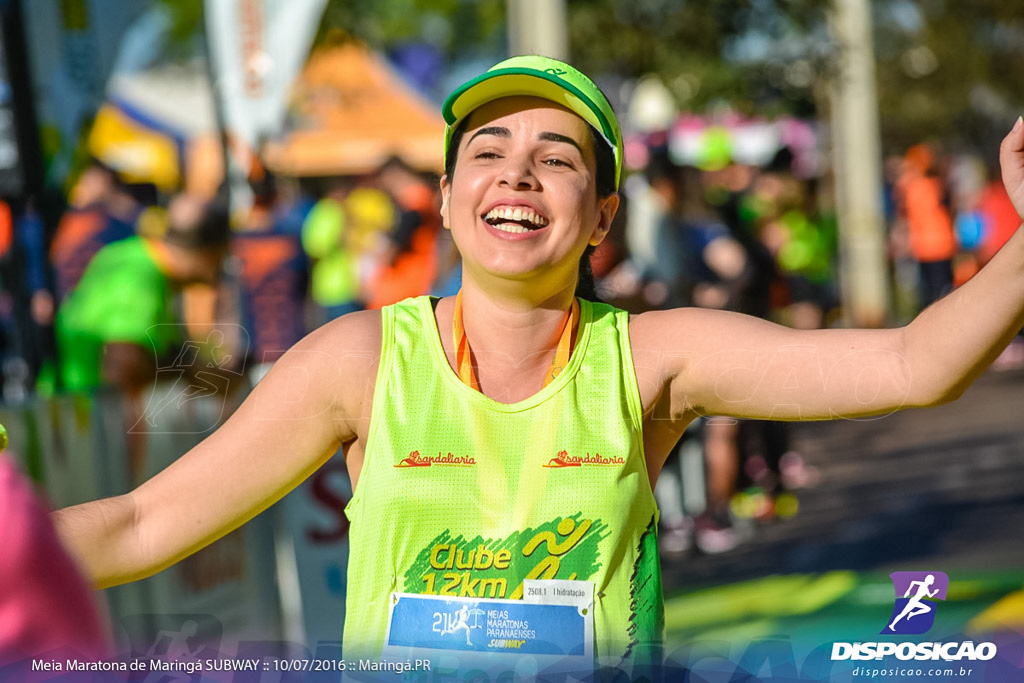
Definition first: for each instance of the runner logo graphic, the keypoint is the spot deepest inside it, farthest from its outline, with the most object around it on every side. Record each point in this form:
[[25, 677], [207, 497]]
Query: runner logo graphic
[[914, 611], [458, 621]]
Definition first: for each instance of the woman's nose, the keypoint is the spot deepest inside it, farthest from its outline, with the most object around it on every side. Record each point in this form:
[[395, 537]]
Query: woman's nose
[[518, 173]]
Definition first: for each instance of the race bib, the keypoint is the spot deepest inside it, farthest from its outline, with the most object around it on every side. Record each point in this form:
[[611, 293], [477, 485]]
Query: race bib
[[553, 620]]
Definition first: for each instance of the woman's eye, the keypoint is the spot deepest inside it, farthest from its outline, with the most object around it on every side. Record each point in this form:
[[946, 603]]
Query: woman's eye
[[556, 162]]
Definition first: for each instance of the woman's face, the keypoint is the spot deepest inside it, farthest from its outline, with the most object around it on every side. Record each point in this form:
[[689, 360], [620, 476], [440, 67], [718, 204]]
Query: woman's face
[[522, 202]]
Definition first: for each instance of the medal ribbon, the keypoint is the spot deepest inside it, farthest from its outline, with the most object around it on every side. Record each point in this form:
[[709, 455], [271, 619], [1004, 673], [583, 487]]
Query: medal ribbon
[[464, 356]]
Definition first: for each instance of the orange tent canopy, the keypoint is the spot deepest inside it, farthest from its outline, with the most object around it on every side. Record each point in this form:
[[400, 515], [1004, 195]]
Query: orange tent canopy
[[353, 112]]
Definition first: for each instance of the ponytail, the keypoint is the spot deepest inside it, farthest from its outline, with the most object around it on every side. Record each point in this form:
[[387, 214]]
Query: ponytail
[[586, 288]]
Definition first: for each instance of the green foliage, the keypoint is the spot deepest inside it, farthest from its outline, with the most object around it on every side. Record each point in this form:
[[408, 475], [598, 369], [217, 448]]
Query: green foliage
[[454, 26], [947, 70], [704, 51], [952, 72], [186, 23]]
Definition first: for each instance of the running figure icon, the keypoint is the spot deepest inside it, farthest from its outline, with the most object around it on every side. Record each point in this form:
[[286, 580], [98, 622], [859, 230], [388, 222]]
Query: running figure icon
[[460, 623], [916, 605]]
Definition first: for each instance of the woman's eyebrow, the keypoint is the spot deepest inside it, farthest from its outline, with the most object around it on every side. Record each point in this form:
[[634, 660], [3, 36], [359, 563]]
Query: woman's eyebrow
[[558, 137], [499, 131]]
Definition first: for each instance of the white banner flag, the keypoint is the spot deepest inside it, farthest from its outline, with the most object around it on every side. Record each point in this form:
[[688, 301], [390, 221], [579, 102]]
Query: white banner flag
[[257, 47]]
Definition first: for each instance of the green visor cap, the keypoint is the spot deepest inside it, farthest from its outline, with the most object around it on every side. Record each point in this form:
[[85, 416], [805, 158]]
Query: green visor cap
[[542, 77]]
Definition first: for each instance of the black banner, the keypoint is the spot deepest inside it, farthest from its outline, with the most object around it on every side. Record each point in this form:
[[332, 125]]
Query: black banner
[[19, 144], [12, 180]]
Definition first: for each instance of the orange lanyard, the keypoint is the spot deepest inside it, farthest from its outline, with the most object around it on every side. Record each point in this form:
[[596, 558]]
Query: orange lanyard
[[464, 357]]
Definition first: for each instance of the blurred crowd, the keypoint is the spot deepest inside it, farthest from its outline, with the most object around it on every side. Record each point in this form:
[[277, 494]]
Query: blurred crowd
[[296, 257], [735, 236], [128, 284]]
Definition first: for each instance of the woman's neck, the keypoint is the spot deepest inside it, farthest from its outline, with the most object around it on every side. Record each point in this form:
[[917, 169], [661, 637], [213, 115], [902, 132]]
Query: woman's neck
[[512, 339]]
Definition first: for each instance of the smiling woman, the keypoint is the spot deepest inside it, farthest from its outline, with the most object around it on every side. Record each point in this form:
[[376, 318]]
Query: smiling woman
[[525, 156], [503, 444]]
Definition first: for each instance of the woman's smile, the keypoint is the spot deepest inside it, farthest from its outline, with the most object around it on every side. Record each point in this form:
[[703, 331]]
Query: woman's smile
[[515, 219]]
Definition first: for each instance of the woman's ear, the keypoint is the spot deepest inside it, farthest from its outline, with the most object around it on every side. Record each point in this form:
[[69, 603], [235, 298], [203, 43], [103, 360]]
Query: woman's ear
[[606, 215], [446, 190]]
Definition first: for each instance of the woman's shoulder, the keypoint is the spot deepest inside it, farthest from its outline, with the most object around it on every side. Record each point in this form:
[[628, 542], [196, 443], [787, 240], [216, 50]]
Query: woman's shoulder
[[353, 333], [655, 323], [335, 364], [686, 330]]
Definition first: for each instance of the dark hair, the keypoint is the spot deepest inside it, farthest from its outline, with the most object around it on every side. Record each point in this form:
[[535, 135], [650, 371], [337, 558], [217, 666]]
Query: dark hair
[[604, 182], [210, 229], [264, 187]]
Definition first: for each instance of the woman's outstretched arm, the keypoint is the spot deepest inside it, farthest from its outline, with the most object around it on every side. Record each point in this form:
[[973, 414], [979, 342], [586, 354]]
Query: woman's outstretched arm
[[720, 363], [315, 398]]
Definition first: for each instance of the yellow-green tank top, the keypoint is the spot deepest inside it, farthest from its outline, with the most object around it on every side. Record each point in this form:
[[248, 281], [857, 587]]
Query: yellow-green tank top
[[461, 495]]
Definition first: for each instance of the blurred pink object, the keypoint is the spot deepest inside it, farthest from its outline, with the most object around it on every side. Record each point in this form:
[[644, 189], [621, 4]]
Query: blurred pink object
[[45, 605]]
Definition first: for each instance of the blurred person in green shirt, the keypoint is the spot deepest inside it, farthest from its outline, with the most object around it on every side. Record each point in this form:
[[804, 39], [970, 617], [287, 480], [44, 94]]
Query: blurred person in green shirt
[[120, 320]]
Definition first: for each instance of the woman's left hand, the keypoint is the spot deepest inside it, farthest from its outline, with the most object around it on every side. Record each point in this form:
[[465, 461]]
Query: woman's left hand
[[1011, 160]]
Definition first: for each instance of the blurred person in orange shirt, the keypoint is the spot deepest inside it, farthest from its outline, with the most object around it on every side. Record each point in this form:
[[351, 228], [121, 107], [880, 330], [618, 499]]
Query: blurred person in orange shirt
[[409, 267], [932, 240], [100, 211], [999, 217], [1000, 220], [274, 277]]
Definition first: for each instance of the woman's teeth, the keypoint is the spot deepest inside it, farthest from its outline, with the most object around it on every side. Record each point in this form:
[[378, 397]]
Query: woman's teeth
[[516, 220]]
